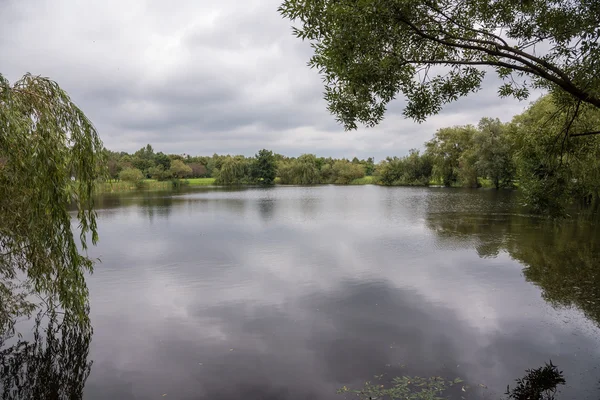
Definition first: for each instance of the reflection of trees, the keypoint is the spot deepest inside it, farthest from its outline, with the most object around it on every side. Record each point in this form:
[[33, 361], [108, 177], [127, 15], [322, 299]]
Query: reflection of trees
[[53, 365], [564, 261], [561, 257], [266, 209]]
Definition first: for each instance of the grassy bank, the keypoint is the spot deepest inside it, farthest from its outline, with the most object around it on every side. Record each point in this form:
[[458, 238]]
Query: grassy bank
[[201, 181], [150, 184], [367, 180]]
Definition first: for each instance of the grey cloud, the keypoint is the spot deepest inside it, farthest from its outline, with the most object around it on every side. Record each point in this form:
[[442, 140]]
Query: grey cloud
[[202, 77]]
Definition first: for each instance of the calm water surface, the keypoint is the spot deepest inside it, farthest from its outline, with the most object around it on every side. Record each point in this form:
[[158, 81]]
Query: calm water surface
[[293, 292]]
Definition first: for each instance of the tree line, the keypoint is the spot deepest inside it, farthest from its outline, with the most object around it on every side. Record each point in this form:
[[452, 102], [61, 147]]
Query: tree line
[[263, 168], [529, 152]]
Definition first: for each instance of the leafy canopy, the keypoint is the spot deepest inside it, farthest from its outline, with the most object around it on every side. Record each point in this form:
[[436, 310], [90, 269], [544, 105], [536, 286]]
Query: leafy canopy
[[436, 51], [264, 167], [50, 155]]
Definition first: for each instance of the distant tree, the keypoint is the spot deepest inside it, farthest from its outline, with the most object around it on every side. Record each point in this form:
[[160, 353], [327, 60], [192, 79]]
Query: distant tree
[[113, 168], [369, 166], [446, 149], [345, 172], [143, 159], [179, 169], [327, 175], [198, 170], [412, 170], [264, 167], [234, 171], [143, 164], [161, 158], [495, 152], [159, 173], [303, 170], [132, 175]]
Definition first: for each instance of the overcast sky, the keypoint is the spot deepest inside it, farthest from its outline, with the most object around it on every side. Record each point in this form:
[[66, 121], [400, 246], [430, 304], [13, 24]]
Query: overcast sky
[[202, 76]]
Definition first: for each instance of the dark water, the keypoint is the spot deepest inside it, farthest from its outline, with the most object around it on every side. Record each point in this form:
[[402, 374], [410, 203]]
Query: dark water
[[293, 292]]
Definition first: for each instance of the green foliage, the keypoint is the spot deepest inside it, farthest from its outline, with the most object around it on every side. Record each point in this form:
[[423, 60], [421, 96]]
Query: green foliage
[[264, 167], [201, 181], [158, 172], [412, 170], [537, 384], [301, 171], [436, 52], [198, 170], [345, 172], [132, 175], [446, 149], [234, 171], [179, 170], [494, 152], [367, 180], [51, 157], [369, 166], [554, 169], [163, 160]]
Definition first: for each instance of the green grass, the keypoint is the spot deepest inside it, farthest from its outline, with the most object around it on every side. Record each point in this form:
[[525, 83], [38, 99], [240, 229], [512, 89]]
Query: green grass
[[149, 184], [120, 186], [201, 181], [367, 180], [485, 183]]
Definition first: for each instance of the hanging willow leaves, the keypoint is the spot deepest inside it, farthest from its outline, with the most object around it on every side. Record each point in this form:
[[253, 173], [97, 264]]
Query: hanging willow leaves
[[50, 158]]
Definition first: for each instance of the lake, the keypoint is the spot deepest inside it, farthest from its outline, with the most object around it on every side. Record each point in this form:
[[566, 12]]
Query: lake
[[294, 292]]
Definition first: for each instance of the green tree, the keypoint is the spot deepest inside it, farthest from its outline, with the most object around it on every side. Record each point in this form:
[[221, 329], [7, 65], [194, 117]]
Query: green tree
[[264, 167], [495, 152], [113, 168], [198, 170], [327, 174], [233, 171], [345, 172], [179, 169], [303, 170], [446, 149], [434, 52], [412, 170], [132, 175], [161, 158], [553, 171], [369, 166], [50, 156], [158, 172]]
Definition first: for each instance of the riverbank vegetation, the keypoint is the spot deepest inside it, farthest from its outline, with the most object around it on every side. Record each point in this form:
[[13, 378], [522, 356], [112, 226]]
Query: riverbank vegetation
[[529, 152]]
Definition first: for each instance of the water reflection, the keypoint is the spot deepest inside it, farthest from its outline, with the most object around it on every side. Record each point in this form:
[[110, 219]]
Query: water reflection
[[561, 257], [53, 364], [291, 293]]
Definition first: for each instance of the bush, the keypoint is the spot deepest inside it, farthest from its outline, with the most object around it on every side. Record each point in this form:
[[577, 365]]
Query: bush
[[345, 172], [179, 169], [302, 171], [234, 171], [132, 175]]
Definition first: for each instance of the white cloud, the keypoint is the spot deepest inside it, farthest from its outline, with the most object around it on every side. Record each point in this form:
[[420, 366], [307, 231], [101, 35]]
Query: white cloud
[[202, 77]]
